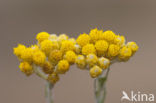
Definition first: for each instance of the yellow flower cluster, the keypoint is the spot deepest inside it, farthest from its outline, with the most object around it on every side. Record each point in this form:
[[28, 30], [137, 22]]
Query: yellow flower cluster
[[54, 54]]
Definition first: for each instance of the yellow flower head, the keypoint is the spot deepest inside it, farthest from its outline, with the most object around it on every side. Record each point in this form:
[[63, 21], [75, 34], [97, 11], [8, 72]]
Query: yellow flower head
[[91, 59], [39, 58], [55, 45], [18, 50], [66, 46], [83, 39], [26, 68], [109, 36], [101, 47], [62, 67], [70, 56], [55, 56], [47, 67], [125, 53], [46, 46], [27, 54], [42, 36], [62, 37], [119, 40], [103, 62], [88, 49], [53, 37], [72, 40], [34, 48], [53, 78], [80, 61], [133, 46], [113, 50], [95, 35], [77, 48], [95, 71]]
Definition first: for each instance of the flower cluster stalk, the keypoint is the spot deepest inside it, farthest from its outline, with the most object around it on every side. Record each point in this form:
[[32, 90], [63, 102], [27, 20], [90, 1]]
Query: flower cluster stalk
[[100, 87], [48, 92], [48, 87]]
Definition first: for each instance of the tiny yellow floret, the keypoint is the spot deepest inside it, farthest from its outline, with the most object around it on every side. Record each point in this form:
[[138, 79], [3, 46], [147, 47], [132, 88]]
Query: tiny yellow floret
[[26, 68], [55, 45], [34, 48], [42, 36], [80, 62], [88, 49], [133, 46], [39, 58], [18, 50], [113, 50], [125, 53], [62, 37], [46, 46], [109, 36], [103, 62], [91, 59], [62, 67], [95, 71], [66, 46], [101, 47], [27, 54], [77, 48], [72, 40], [53, 37], [55, 56], [70, 56], [119, 40], [95, 35], [83, 39]]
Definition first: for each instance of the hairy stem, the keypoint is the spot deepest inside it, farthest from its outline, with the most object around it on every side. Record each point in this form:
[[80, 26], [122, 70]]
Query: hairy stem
[[100, 87], [48, 94], [39, 73]]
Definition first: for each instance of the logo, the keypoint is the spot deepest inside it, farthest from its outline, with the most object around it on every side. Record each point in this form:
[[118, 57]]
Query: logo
[[137, 97]]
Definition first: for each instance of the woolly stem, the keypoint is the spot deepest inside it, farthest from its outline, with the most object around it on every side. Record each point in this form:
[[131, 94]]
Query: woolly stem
[[48, 94], [40, 73], [100, 87]]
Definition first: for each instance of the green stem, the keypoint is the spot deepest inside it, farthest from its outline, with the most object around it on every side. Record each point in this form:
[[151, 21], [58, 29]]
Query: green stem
[[39, 73], [100, 87], [48, 94], [49, 86]]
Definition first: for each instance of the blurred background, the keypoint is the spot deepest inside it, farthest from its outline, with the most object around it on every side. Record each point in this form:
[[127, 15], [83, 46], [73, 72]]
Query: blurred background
[[21, 20]]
